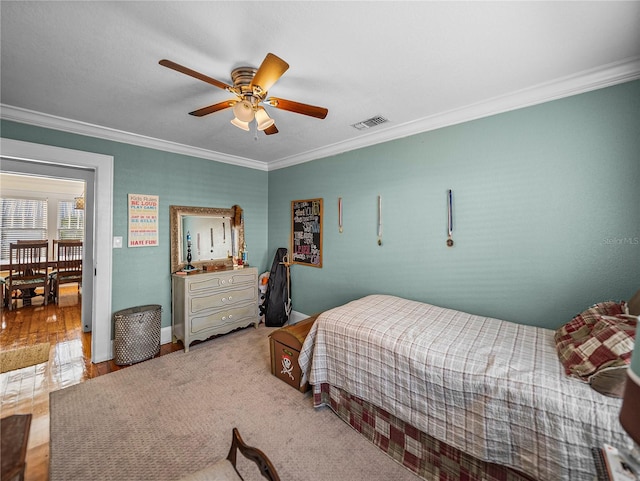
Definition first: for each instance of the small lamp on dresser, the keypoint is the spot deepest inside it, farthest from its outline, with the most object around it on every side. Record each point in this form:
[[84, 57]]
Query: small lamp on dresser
[[630, 412]]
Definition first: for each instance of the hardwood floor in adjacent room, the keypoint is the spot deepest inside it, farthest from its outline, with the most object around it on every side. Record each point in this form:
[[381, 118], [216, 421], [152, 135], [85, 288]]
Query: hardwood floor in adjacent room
[[26, 390]]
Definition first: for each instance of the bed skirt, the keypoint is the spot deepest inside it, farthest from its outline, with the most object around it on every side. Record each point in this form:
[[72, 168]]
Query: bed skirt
[[417, 451]]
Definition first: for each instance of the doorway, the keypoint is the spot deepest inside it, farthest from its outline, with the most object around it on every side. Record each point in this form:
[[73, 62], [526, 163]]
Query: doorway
[[46, 183], [97, 170]]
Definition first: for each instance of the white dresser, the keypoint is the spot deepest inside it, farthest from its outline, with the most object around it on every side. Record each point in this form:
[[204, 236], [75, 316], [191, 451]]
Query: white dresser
[[208, 303]]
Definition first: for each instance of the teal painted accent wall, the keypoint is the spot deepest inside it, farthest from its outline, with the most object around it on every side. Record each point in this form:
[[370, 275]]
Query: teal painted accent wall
[[141, 275], [546, 213]]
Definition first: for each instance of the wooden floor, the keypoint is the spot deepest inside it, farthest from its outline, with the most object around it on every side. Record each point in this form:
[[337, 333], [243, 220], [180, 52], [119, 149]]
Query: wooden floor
[[27, 390]]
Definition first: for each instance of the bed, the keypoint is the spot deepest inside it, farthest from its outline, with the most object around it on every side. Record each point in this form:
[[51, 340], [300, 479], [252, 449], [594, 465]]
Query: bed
[[453, 395]]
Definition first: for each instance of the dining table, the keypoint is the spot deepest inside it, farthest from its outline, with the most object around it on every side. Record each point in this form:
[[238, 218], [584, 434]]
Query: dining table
[[5, 266]]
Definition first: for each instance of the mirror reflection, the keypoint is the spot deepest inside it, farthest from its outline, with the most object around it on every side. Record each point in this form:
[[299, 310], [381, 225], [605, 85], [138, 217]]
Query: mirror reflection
[[212, 236]]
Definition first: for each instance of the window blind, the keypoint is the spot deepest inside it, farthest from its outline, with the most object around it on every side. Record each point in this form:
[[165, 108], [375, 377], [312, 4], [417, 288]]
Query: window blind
[[70, 221], [22, 219]]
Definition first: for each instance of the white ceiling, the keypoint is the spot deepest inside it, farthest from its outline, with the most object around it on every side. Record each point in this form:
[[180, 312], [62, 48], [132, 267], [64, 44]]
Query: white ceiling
[[92, 67], [28, 185]]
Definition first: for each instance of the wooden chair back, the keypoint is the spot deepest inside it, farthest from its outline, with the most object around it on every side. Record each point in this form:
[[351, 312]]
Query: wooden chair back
[[266, 467], [28, 263], [68, 265], [68, 257], [228, 470], [28, 259]]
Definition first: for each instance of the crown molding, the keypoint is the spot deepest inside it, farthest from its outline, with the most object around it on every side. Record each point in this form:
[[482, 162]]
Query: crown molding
[[38, 119], [586, 81]]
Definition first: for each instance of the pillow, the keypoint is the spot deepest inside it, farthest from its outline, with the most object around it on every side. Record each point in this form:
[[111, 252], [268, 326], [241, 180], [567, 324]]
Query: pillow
[[581, 325], [610, 344], [599, 337], [610, 381]]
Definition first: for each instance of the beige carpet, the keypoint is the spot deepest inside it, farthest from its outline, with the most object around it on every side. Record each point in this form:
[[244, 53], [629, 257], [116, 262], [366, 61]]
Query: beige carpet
[[24, 357], [173, 415]]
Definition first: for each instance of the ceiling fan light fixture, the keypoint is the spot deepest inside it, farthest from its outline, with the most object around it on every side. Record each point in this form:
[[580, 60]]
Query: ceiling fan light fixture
[[240, 124], [263, 120], [250, 88], [243, 111]]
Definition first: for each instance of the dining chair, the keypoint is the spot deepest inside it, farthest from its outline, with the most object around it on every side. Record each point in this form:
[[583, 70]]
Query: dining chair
[[227, 470], [68, 266], [28, 262]]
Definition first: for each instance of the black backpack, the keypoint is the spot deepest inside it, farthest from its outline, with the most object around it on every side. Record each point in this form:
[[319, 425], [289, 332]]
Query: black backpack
[[277, 303]]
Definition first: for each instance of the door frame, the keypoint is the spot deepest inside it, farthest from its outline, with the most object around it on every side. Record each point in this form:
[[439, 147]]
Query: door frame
[[102, 165], [87, 176]]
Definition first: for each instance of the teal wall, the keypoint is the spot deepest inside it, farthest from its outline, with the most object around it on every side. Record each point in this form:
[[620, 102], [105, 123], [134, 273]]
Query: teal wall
[[141, 275], [546, 213]]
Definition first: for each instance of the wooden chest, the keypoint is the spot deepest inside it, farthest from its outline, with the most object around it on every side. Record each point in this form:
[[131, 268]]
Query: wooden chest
[[286, 344]]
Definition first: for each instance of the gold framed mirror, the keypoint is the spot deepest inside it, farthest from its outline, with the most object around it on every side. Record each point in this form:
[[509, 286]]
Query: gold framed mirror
[[215, 236]]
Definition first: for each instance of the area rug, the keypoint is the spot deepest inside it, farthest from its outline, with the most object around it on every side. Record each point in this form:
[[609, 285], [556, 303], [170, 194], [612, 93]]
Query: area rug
[[173, 415], [24, 357]]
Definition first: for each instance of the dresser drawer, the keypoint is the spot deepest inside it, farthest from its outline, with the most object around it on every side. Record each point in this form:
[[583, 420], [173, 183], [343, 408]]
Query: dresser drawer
[[223, 299], [206, 304], [221, 318], [222, 280]]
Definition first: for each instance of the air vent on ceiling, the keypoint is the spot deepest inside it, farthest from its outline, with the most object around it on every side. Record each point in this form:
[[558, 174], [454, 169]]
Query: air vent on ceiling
[[372, 122]]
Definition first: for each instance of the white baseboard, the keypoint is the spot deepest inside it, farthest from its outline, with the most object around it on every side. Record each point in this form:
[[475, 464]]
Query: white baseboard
[[296, 316], [165, 335]]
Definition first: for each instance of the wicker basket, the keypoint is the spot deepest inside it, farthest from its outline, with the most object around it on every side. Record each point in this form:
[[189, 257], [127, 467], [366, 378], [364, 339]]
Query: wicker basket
[[137, 333]]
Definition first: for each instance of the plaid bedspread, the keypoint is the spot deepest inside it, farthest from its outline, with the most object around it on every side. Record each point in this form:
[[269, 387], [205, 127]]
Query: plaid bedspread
[[493, 389]]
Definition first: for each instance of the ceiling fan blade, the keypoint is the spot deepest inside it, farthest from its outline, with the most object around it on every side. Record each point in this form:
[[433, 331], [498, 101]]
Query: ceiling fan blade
[[269, 72], [297, 107], [213, 108], [194, 74], [271, 130]]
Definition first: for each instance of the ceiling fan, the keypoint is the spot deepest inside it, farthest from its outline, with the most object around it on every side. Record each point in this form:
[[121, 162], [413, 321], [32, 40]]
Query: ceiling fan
[[250, 87]]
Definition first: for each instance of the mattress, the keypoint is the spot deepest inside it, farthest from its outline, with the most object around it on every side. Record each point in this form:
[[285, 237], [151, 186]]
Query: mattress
[[490, 388]]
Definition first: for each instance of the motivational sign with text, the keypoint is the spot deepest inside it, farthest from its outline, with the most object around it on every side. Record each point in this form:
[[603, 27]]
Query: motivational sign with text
[[306, 232], [143, 220]]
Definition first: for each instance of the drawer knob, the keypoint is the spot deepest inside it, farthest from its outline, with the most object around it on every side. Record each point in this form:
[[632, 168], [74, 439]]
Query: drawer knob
[[230, 297], [230, 316], [224, 318]]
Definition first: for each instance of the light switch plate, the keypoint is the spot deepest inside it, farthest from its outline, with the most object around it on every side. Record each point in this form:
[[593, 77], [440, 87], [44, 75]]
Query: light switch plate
[[117, 242]]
